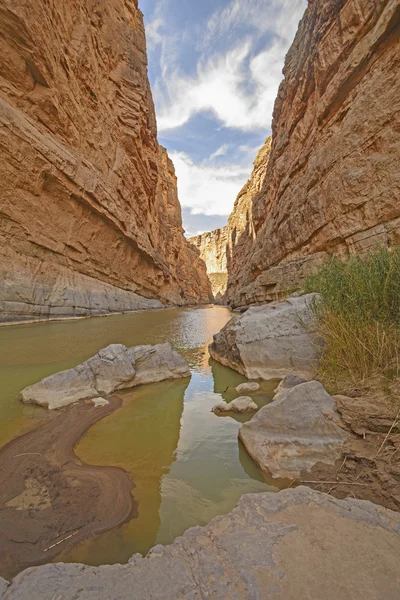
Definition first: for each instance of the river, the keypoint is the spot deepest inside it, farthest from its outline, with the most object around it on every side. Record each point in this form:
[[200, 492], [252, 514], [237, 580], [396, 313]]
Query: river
[[186, 462]]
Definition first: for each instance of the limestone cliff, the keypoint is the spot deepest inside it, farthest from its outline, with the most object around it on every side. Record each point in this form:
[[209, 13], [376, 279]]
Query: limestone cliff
[[90, 220], [216, 246], [332, 182], [213, 250]]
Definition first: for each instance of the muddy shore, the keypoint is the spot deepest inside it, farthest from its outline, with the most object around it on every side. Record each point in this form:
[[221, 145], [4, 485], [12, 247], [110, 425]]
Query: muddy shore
[[49, 499]]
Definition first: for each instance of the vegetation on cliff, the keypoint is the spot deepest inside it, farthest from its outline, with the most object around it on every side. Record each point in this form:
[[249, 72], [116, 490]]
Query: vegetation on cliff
[[359, 316]]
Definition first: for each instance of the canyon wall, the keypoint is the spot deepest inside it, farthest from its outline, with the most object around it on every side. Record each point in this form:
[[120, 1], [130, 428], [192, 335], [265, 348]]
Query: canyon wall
[[90, 221], [216, 247], [331, 184], [213, 250]]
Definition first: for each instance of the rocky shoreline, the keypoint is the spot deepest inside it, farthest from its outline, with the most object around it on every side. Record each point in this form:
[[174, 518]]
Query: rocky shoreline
[[294, 544]]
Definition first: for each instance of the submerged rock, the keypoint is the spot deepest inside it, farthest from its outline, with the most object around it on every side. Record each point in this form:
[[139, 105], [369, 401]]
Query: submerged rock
[[294, 432], [251, 386], [239, 405], [291, 545], [270, 341], [113, 368]]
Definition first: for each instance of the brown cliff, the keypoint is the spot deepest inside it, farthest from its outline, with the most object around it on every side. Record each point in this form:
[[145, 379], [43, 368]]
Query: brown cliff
[[213, 250], [332, 182], [90, 220], [216, 246]]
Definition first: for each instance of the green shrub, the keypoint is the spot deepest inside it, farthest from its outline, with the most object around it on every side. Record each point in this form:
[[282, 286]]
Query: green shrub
[[359, 316]]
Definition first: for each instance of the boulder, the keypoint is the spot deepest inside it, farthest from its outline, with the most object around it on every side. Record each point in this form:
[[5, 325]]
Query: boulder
[[270, 341], [251, 386], [239, 405], [292, 545], [298, 429], [100, 402], [287, 383], [113, 368]]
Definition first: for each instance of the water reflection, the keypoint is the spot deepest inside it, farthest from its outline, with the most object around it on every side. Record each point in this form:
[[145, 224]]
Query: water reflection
[[186, 462]]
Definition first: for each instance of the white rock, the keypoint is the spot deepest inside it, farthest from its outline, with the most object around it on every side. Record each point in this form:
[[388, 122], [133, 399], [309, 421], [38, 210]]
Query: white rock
[[113, 368], [100, 401], [239, 405], [294, 432], [270, 341], [251, 386]]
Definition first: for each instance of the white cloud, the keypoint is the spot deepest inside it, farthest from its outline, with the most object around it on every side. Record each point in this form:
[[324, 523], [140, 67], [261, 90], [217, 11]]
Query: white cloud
[[153, 36], [238, 86], [222, 150], [207, 189]]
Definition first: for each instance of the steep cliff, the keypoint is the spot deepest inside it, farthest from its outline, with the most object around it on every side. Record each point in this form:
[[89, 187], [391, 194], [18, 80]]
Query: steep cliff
[[216, 247], [213, 250], [332, 181], [90, 220]]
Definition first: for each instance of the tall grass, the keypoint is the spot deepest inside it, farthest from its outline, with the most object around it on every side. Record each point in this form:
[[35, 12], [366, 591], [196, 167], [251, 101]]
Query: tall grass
[[358, 316]]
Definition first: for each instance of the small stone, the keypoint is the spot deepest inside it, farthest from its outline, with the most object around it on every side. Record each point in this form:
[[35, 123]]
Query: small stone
[[100, 401], [239, 405], [251, 386]]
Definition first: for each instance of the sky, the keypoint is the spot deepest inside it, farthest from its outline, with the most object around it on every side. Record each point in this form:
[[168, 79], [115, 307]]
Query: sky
[[215, 68]]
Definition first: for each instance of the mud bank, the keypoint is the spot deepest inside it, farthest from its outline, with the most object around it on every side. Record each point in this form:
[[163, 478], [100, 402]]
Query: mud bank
[[47, 495]]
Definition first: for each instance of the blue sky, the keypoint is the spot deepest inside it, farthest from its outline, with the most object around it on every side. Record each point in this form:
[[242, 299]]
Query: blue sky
[[215, 67]]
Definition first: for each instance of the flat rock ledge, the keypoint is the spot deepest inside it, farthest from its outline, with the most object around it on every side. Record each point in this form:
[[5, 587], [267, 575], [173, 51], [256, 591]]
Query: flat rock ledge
[[271, 341], [113, 368], [292, 545], [299, 428]]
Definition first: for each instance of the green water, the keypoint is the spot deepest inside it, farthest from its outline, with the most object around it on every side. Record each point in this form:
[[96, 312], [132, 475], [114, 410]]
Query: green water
[[186, 462]]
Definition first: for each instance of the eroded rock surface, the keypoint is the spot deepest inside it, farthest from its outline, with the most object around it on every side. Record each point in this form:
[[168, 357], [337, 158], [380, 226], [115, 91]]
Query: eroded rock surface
[[331, 185], [242, 404], [213, 247], [113, 368], [251, 386], [270, 341], [297, 430], [90, 221], [294, 544]]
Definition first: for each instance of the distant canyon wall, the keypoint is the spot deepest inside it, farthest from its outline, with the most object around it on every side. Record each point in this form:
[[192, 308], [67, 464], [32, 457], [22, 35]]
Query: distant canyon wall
[[90, 221], [216, 247], [331, 183]]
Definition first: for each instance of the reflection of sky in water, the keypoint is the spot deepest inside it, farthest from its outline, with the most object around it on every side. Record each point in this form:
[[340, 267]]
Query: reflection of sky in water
[[186, 462]]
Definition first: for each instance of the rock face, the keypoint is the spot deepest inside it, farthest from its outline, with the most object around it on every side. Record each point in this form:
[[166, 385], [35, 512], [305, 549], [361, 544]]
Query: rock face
[[213, 247], [251, 553], [242, 404], [216, 246], [113, 368], [270, 341], [251, 386], [297, 430], [90, 221], [331, 185]]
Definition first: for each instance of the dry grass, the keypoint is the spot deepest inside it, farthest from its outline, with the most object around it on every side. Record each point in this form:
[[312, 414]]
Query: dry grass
[[359, 317]]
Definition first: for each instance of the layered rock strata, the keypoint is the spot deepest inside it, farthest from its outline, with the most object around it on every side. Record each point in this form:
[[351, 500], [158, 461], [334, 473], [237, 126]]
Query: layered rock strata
[[113, 368], [90, 221], [332, 184], [216, 247], [271, 341], [253, 552], [213, 247]]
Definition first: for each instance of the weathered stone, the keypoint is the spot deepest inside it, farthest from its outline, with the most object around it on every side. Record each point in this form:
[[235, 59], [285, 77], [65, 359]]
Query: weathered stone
[[239, 405], [213, 250], [291, 545], [90, 221], [251, 386], [100, 402], [271, 341], [113, 368], [287, 383], [3, 586], [298, 429], [331, 184]]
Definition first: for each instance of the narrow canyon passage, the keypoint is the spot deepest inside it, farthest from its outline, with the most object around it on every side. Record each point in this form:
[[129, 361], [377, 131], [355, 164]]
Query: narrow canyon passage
[[185, 462]]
